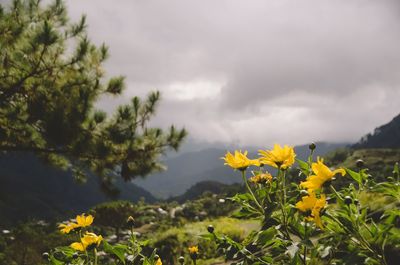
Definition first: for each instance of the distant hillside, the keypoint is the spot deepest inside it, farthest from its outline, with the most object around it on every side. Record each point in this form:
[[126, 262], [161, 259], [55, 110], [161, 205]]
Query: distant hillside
[[31, 189], [190, 168], [385, 136], [199, 188], [379, 161]]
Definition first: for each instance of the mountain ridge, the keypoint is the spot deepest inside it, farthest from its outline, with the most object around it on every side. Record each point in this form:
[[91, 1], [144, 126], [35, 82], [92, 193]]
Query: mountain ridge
[[384, 136], [30, 189], [186, 170]]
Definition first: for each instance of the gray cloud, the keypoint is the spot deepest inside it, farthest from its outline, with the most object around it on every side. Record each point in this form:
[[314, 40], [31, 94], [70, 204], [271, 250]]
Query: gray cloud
[[255, 72]]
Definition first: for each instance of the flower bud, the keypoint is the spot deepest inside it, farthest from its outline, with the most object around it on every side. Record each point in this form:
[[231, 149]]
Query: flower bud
[[210, 229], [348, 200], [303, 193], [75, 255], [45, 256], [193, 256], [331, 200], [181, 260], [130, 221], [312, 146], [360, 163]]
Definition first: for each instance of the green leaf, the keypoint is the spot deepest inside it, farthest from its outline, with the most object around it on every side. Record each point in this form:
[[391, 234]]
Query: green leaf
[[304, 167], [292, 250], [246, 211], [325, 252], [66, 251], [242, 197], [354, 175], [208, 236], [118, 250], [55, 261], [396, 171], [145, 242], [264, 237]]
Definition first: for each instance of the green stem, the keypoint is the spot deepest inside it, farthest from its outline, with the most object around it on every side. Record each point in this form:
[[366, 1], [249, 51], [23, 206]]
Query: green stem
[[361, 184], [87, 256], [284, 186], [305, 246], [282, 200], [95, 256], [251, 192]]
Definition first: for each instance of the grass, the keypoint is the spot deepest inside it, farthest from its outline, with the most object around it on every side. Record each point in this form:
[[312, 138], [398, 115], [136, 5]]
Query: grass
[[174, 241], [373, 158], [234, 228]]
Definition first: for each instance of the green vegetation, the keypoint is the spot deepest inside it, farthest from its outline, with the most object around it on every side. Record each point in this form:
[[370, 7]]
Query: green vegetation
[[379, 161], [312, 220], [315, 221], [51, 78], [174, 242], [169, 227]]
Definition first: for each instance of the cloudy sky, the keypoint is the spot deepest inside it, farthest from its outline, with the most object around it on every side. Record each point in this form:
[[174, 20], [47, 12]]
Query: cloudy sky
[[256, 72]]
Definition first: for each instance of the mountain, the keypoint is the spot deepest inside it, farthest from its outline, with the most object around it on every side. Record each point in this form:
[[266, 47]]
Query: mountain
[[190, 168], [215, 187], [31, 189], [385, 136]]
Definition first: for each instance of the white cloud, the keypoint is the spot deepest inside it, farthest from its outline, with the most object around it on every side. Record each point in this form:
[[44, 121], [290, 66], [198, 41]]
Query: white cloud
[[253, 72], [193, 90]]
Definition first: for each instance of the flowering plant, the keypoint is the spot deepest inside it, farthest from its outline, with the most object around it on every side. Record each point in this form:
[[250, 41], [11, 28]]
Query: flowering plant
[[85, 251], [306, 218]]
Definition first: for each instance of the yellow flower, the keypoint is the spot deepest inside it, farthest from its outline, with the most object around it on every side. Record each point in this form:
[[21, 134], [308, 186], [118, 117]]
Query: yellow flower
[[159, 262], [261, 178], [83, 221], [314, 205], [321, 174], [78, 246], [255, 162], [239, 160], [279, 157], [87, 240], [306, 203], [193, 250], [91, 238], [66, 228]]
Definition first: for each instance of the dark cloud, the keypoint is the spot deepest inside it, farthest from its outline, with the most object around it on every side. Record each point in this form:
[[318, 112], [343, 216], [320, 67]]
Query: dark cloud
[[251, 72]]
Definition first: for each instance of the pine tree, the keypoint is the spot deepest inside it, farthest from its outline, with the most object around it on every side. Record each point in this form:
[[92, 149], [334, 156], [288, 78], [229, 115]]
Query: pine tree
[[51, 76]]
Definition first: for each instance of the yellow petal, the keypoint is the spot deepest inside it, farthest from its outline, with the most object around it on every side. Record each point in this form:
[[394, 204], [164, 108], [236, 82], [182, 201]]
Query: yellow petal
[[78, 246]]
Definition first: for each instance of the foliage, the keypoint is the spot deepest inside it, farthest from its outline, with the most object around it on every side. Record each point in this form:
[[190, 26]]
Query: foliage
[[297, 223], [312, 222], [26, 243], [174, 241], [51, 77], [114, 214], [379, 161], [85, 249]]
